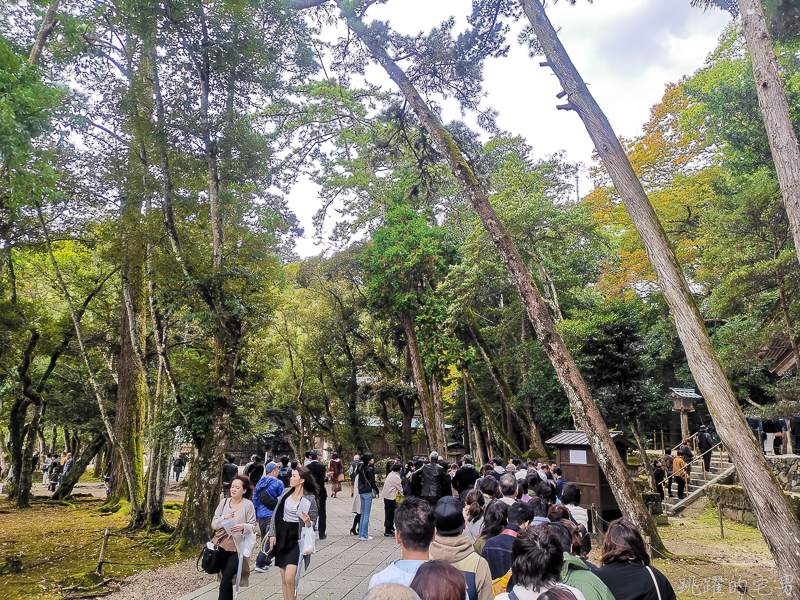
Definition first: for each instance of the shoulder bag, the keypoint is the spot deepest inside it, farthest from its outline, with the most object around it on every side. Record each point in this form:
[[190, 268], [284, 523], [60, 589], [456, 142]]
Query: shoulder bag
[[210, 559], [655, 583]]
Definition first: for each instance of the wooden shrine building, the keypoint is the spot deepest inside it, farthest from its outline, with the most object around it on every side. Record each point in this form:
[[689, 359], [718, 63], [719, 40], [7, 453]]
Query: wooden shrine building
[[579, 466]]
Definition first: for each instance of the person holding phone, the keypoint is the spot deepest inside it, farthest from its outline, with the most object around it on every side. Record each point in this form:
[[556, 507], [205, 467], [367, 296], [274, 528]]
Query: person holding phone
[[297, 505]]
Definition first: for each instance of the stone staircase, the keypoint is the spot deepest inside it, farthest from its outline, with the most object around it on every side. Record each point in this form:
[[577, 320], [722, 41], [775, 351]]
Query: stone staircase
[[697, 483]]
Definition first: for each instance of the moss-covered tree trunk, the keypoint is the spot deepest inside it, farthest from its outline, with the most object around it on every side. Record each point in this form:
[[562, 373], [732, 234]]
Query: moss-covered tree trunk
[[420, 380]]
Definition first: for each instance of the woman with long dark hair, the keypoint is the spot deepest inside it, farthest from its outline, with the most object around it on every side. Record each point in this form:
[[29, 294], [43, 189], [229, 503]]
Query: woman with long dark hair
[[495, 519], [238, 507], [536, 561], [626, 566], [367, 489], [297, 507], [473, 515]]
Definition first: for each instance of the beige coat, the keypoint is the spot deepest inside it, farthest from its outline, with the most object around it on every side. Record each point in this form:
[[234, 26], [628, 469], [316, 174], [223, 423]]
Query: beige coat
[[457, 550], [392, 486], [244, 515]]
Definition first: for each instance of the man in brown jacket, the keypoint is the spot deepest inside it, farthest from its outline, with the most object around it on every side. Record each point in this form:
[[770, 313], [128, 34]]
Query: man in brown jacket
[[454, 547]]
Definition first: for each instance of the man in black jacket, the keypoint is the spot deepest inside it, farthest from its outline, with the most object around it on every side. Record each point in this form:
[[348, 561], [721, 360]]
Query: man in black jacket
[[705, 443], [432, 479], [465, 477], [318, 471], [229, 471]]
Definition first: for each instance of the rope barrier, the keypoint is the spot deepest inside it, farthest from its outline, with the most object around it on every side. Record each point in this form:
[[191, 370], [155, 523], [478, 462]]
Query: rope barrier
[[740, 589]]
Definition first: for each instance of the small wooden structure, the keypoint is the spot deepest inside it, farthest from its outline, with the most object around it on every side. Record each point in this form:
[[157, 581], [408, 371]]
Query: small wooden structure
[[682, 402], [579, 466]]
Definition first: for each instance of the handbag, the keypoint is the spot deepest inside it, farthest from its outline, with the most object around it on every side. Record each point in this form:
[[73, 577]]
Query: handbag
[[340, 477], [210, 559]]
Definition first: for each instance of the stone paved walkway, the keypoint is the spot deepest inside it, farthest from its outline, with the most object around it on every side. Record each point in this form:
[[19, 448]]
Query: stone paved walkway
[[340, 569]]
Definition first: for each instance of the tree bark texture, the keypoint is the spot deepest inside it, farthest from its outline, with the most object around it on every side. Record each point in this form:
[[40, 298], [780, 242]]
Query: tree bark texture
[[537, 445], [425, 401], [648, 468], [81, 462], [583, 405], [774, 110], [130, 403], [46, 28], [468, 424], [776, 520]]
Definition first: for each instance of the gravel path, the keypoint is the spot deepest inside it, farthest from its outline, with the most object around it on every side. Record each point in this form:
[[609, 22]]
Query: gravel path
[[165, 582]]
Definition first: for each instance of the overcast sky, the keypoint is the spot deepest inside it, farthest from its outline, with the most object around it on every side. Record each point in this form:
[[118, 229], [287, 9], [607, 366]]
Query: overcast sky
[[626, 50]]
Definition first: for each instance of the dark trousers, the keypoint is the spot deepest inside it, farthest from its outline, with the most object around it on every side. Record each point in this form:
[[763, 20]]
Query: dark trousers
[[432, 499], [681, 487], [707, 460], [230, 560], [669, 486], [322, 516], [356, 521], [262, 560], [388, 522]]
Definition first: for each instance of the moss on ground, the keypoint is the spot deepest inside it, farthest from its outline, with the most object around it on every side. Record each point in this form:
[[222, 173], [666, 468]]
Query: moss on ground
[[39, 538], [709, 566]]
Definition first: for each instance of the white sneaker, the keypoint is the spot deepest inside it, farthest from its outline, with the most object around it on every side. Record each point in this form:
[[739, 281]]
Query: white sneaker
[[261, 569], [366, 539]]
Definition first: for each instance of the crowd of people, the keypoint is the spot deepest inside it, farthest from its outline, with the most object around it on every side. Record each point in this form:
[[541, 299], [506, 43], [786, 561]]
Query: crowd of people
[[511, 530]]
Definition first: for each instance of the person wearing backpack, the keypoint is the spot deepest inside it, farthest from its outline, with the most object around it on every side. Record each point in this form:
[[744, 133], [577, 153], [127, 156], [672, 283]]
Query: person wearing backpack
[[265, 498], [452, 546], [705, 443], [351, 473], [285, 471]]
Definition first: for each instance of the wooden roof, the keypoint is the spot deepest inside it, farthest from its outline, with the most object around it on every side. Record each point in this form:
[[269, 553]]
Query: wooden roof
[[577, 437]]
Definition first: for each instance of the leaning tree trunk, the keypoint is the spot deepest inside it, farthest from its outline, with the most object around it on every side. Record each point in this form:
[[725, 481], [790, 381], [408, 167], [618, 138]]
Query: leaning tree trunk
[[777, 522], [487, 410], [79, 467], [648, 468], [425, 401], [583, 405], [774, 110]]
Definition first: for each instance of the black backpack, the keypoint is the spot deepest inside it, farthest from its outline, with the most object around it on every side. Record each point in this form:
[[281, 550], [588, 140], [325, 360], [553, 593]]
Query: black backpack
[[268, 501], [285, 474]]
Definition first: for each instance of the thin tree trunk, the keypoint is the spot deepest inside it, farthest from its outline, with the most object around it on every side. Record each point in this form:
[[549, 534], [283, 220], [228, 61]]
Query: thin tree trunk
[[480, 447], [776, 520], [628, 498], [774, 110], [787, 319], [487, 410], [45, 30], [468, 424], [426, 404], [438, 417], [651, 478], [537, 445]]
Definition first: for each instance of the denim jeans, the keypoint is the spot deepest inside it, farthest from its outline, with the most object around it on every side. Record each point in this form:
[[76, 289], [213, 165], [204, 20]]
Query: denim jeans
[[263, 526], [366, 508]]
